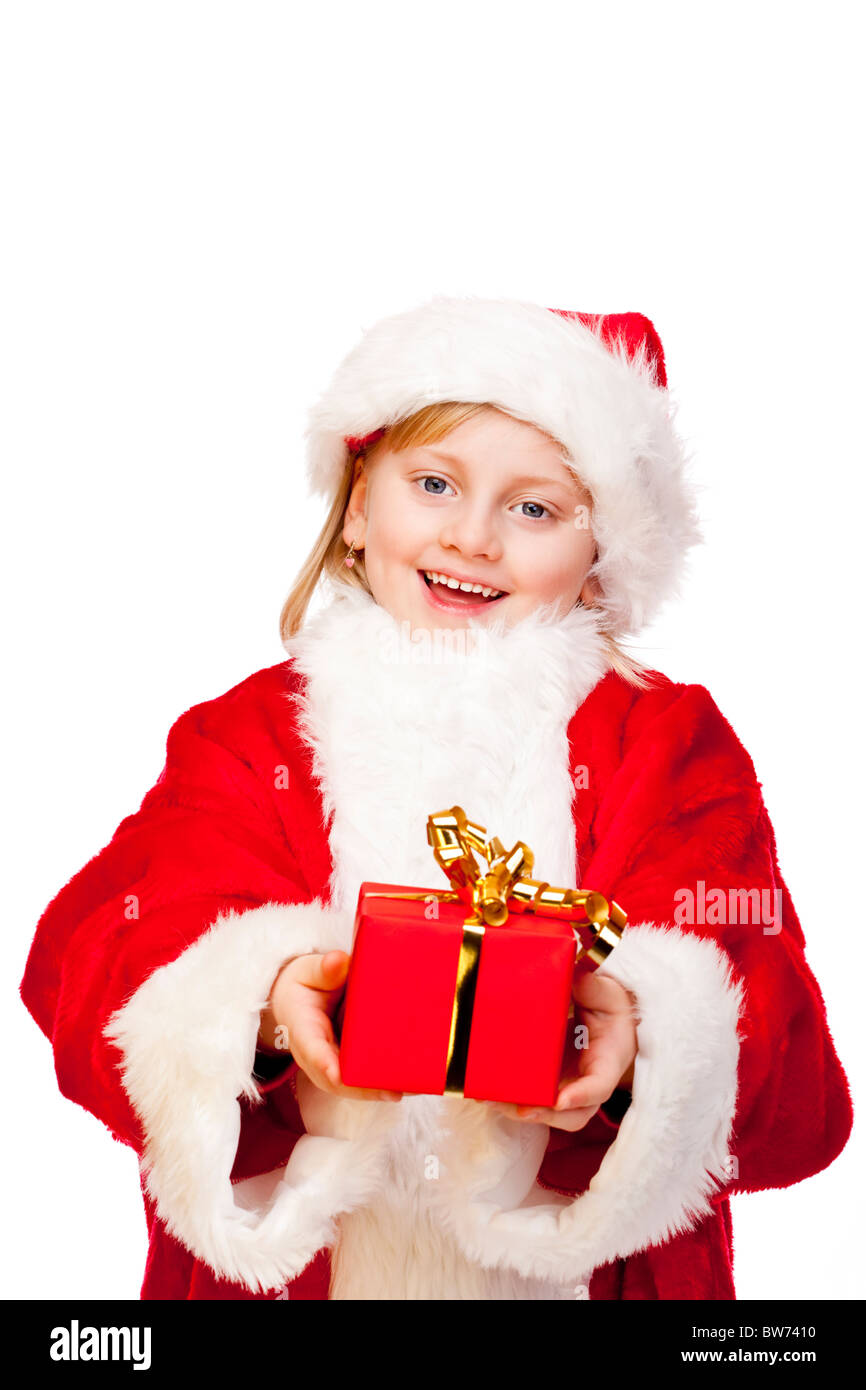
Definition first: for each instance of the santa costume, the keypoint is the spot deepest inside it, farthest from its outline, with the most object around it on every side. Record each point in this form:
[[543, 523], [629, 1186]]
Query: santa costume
[[150, 969]]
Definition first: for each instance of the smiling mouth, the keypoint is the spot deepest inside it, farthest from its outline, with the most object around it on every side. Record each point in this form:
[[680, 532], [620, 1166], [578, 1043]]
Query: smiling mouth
[[448, 594]]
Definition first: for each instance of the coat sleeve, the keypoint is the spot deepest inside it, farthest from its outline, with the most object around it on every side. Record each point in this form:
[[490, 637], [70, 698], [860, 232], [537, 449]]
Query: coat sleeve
[[737, 1085], [148, 972]]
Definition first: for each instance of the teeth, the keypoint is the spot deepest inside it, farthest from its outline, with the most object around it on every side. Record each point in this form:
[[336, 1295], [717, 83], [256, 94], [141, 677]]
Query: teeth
[[467, 588]]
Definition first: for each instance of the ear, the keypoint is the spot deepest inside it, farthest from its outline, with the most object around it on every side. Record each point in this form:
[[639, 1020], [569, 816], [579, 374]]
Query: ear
[[354, 517], [591, 591]]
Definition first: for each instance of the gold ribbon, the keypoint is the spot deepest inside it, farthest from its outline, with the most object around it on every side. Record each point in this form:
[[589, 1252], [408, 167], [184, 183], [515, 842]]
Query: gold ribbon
[[492, 891]]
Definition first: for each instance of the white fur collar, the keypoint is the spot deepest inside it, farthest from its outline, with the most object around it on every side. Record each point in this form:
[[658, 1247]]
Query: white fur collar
[[403, 724]]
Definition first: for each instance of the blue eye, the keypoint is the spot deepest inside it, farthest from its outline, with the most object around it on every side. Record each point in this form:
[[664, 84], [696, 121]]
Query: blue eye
[[440, 485], [533, 504]]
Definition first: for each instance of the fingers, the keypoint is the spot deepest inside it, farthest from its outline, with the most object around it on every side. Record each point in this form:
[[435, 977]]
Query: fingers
[[323, 1068], [589, 1091], [570, 1120], [599, 992], [596, 1085], [613, 1046], [309, 990], [314, 1048], [318, 1059], [324, 972], [321, 1062]]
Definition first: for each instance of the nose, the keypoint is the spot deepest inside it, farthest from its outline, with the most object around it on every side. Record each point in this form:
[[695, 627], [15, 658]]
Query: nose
[[471, 529]]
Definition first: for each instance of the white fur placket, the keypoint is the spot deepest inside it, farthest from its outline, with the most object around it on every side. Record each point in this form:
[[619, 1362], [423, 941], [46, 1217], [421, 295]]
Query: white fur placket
[[405, 723]]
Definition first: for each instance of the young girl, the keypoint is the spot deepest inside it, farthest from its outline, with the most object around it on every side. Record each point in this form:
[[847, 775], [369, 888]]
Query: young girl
[[508, 500]]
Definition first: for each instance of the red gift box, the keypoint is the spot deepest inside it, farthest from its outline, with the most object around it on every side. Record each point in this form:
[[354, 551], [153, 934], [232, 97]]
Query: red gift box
[[468, 990]]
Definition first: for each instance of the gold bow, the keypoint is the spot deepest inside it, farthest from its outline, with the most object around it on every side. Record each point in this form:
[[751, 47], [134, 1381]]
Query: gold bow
[[502, 886]]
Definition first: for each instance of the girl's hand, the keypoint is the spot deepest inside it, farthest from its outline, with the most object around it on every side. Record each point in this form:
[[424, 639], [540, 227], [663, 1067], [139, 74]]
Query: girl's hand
[[305, 996], [590, 1074]]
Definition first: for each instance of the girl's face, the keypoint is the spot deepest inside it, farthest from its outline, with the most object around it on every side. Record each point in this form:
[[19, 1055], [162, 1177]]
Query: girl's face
[[491, 504]]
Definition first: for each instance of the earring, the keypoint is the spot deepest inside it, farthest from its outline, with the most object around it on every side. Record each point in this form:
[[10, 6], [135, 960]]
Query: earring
[[350, 558]]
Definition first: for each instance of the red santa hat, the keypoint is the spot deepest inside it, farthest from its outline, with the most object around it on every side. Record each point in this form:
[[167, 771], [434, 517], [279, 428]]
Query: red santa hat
[[595, 382]]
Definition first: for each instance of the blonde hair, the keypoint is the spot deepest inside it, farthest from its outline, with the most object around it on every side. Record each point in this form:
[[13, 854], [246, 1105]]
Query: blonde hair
[[327, 557]]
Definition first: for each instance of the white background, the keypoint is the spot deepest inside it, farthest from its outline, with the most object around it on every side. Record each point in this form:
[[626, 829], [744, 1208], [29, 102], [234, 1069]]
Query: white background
[[205, 205]]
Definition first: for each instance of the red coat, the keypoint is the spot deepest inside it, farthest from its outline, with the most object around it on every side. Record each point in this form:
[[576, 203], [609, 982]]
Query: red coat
[[148, 972]]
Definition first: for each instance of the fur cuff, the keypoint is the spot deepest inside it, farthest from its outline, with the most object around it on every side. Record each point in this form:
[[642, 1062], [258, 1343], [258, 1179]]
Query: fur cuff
[[658, 1176], [188, 1038]]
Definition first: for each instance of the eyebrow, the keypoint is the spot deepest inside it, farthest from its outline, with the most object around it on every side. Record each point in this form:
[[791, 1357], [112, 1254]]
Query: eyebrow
[[527, 480]]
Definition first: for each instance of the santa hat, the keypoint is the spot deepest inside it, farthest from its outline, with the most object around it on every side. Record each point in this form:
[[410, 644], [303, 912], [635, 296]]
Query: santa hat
[[594, 382]]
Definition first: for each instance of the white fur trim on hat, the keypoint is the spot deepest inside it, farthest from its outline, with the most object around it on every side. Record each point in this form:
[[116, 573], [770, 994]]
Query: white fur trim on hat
[[601, 403]]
